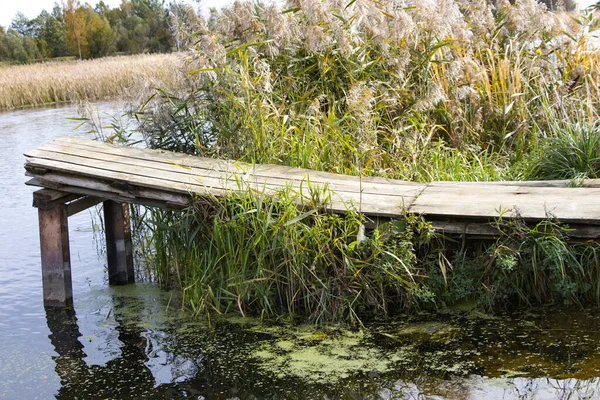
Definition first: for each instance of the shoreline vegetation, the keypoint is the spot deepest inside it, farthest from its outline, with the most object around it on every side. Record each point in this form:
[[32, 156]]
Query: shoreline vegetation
[[120, 49], [88, 80], [419, 91]]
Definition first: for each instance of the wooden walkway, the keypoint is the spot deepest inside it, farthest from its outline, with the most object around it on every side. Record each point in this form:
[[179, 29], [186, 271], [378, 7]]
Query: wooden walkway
[[78, 173]]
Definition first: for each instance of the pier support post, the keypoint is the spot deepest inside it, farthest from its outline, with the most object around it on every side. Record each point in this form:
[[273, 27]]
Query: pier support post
[[119, 247], [56, 260]]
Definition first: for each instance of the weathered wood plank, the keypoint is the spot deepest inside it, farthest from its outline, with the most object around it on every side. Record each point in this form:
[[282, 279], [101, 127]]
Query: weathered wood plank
[[273, 174], [266, 170], [191, 182], [49, 194], [471, 229], [580, 205], [118, 198], [67, 181], [46, 199], [589, 232], [562, 183], [184, 183], [336, 204], [56, 260], [485, 230]]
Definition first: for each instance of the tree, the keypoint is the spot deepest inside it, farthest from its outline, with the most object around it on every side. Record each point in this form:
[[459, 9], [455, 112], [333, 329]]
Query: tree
[[101, 39], [144, 26], [53, 33], [19, 48], [136, 26], [102, 8], [21, 24], [75, 20], [4, 53]]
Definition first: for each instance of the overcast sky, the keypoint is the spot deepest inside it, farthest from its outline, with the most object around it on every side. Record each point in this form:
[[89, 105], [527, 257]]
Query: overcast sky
[[32, 8]]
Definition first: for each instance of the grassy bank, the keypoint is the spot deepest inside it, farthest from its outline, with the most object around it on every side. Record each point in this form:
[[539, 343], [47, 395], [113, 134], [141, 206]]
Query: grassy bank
[[38, 84], [453, 90]]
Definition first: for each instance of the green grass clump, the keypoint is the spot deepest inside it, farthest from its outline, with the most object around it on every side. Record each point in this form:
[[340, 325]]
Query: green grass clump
[[265, 255], [525, 266], [574, 153], [283, 254]]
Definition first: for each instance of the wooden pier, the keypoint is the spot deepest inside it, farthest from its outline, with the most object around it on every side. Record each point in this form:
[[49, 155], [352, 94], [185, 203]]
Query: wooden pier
[[75, 174]]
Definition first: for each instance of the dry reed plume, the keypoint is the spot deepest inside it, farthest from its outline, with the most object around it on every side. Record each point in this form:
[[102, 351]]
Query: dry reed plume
[[31, 85]]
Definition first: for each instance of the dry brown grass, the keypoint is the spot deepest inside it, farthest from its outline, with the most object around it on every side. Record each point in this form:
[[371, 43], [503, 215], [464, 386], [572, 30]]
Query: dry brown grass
[[30, 85]]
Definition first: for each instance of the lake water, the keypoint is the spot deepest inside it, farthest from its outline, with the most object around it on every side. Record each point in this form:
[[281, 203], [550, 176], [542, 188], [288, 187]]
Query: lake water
[[135, 342]]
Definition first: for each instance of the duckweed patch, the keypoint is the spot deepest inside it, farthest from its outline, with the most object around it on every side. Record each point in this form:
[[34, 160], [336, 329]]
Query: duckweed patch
[[320, 357], [440, 346]]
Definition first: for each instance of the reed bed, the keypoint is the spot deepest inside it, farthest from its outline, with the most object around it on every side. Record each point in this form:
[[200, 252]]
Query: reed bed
[[65, 81], [417, 90]]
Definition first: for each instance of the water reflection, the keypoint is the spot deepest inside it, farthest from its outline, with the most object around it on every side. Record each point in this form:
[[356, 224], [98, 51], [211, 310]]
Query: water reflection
[[163, 354], [143, 363], [123, 377]]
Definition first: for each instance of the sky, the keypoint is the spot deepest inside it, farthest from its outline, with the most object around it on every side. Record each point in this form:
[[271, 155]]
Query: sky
[[32, 8]]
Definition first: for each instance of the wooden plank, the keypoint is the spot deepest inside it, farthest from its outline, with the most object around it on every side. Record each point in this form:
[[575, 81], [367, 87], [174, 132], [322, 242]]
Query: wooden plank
[[46, 199], [56, 260], [201, 178], [380, 185], [589, 232], [82, 204], [486, 230], [273, 174], [141, 180], [371, 205], [375, 204], [234, 183], [64, 181], [269, 170], [580, 205], [563, 183], [462, 229], [119, 247], [118, 198], [130, 170], [33, 182], [49, 194]]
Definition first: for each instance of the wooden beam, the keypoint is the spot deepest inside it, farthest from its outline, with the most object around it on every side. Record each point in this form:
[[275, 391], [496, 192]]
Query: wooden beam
[[469, 229], [56, 260], [119, 247], [102, 188], [49, 194], [48, 198], [486, 230], [82, 204]]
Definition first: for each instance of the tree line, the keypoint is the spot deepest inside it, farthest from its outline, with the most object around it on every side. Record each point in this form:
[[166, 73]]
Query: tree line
[[72, 29]]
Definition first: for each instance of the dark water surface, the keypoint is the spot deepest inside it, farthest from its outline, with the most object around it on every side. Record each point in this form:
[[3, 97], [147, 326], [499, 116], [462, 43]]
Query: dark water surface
[[134, 342]]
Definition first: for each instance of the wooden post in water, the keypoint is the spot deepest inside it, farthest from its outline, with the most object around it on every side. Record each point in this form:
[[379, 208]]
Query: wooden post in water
[[56, 260], [119, 247]]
